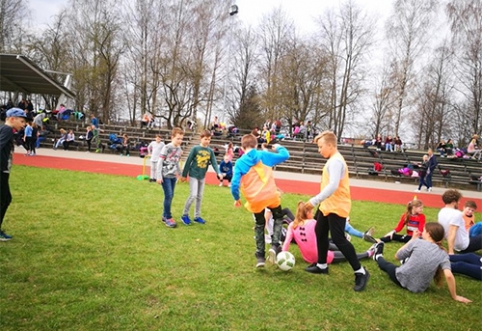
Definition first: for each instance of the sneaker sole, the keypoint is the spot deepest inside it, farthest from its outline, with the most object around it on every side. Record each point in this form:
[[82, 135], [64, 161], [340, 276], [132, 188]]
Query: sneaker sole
[[260, 265], [272, 256], [5, 239]]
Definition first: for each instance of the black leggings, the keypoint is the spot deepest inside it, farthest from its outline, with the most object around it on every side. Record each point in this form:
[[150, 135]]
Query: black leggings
[[396, 237], [336, 225], [5, 195], [389, 268]]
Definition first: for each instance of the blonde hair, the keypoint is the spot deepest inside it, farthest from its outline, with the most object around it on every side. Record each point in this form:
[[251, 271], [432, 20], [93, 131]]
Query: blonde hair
[[302, 211], [328, 136]]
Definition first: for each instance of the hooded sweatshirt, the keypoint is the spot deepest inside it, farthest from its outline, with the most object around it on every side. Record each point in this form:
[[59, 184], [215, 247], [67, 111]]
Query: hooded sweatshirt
[[254, 177]]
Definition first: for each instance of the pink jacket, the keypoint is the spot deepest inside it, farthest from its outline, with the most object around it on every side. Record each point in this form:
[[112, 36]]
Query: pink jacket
[[305, 238]]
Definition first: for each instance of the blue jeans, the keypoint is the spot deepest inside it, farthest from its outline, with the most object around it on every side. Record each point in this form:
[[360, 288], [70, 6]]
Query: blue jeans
[[168, 185]]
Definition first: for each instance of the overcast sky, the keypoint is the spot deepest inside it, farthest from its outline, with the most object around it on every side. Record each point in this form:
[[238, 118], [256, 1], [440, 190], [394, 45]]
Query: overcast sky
[[250, 11]]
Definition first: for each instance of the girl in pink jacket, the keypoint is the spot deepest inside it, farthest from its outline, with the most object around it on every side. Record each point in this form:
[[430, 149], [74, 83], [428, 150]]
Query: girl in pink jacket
[[302, 230]]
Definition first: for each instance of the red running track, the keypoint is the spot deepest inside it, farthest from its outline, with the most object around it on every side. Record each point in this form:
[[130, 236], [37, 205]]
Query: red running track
[[289, 186]]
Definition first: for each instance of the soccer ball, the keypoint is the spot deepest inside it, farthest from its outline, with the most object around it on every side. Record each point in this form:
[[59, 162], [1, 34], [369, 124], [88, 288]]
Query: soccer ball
[[285, 261]]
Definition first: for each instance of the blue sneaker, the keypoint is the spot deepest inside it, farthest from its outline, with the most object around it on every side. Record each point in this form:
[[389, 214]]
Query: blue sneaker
[[186, 220], [4, 236], [199, 220], [170, 223]]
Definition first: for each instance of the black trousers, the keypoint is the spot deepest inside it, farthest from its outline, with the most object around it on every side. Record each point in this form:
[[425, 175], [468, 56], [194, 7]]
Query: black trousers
[[389, 268], [336, 225], [5, 195]]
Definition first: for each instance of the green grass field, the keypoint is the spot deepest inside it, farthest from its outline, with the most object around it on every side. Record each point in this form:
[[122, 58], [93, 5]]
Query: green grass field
[[90, 253]]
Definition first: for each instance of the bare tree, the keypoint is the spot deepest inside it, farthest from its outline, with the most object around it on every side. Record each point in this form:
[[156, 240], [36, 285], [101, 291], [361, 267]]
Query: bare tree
[[276, 29], [407, 30], [466, 26], [94, 40], [346, 39], [434, 99], [11, 13], [243, 79]]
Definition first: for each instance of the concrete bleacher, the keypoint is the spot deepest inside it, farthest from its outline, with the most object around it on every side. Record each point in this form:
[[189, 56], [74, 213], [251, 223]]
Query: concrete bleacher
[[304, 155], [136, 135]]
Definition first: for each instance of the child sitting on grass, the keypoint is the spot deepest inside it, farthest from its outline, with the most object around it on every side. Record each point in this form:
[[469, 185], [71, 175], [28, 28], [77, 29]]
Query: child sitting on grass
[[302, 230], [413, 219], [425, 259]]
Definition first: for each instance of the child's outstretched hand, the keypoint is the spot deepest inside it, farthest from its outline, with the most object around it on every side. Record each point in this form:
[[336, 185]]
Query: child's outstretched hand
[[237, 203], [159, 181], [460, 298]]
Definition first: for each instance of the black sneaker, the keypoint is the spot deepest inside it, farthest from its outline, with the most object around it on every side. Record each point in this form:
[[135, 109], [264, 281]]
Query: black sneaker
[[260, 260], [378, 250], [361, 280], [313, 268]]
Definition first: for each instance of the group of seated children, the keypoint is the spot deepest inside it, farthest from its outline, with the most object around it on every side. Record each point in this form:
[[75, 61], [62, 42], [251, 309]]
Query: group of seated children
[[422, 257]]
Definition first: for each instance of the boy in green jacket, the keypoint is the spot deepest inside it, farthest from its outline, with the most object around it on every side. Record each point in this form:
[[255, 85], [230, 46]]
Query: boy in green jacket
[[200, 157]]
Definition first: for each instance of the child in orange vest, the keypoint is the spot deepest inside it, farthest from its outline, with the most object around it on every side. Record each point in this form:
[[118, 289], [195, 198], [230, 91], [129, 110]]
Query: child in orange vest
[[254, 177]]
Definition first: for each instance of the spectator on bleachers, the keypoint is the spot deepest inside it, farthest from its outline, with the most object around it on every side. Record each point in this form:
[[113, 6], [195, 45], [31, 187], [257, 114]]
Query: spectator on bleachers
[[441, 148], [69, 140], [60, 141], [61, 111], [398, 144], [38, 119], [232, 131], [125, 145], [94, 121], [449, 148], [147, 120], [215, 124], [278, 126], [378, 142], [303, 133], [472, 147], [388, 143]]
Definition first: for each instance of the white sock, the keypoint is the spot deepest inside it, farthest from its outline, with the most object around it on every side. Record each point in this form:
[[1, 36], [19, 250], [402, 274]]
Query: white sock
[[322, 265], [360, 271]]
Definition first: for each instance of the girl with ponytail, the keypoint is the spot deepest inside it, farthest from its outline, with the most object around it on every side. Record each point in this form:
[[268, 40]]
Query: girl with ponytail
[[413, 219], [302, 230], [424, 259]]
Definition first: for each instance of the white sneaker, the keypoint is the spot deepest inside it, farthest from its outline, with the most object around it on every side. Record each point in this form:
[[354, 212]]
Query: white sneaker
[[220, 184], [429, 189], [417, 190]]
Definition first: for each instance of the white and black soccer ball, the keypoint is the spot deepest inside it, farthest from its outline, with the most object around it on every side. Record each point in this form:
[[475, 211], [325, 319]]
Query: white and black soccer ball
[[285, 261]]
